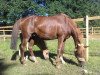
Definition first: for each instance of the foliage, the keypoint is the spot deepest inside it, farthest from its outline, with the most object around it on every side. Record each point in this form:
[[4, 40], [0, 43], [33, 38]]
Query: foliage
[[75, 8], [10, 10]]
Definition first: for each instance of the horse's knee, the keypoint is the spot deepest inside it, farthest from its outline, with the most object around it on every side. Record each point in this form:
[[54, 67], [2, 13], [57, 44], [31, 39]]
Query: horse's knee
[[22, 46], [31, 44]]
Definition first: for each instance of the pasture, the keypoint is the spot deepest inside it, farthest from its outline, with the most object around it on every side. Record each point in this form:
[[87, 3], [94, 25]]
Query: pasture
[[47, 67]]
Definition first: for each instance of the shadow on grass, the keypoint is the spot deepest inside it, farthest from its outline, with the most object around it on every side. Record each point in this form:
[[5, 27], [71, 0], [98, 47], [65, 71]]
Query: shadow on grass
[[4, 66], [14, 56], [38, 53], [70, 61]]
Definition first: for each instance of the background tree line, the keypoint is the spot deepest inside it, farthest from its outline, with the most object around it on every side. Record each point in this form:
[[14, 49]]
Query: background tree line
[[11, 10]]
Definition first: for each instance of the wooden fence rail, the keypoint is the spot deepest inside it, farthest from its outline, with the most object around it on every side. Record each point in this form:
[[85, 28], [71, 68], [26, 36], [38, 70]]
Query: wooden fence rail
[[6, 33], [90, 18]]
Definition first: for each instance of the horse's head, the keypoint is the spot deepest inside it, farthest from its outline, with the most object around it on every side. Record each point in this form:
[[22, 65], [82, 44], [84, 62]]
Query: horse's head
[[80, 54]]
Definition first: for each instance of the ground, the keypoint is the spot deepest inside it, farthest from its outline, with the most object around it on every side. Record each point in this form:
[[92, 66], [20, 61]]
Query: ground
[[47, 67]]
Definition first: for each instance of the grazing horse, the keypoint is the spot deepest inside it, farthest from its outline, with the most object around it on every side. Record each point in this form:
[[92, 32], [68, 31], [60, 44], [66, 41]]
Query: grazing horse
[[59, 27]]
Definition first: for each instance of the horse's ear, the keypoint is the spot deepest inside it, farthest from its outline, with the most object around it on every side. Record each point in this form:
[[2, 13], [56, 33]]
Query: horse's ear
[[86, 46], [80, 45]]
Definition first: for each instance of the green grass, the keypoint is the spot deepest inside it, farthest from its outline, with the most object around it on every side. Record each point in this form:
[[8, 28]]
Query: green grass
[[45, 67]]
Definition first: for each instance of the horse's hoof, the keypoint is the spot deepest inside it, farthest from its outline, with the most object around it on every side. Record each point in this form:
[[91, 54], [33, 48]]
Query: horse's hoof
[[33, 58], [22, 62], [58, 63]]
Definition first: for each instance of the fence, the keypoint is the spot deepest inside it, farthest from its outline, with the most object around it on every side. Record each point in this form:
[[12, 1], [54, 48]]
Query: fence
[[86, 19], [5, 32], [92, 30]]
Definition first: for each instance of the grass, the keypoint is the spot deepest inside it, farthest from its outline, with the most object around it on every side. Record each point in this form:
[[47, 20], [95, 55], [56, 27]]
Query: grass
[[46, 67]]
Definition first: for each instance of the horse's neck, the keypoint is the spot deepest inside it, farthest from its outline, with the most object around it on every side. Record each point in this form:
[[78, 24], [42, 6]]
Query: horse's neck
[[77, 36]]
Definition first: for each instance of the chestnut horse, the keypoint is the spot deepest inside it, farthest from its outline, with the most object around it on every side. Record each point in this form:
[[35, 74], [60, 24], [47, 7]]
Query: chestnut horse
[[59, 27]]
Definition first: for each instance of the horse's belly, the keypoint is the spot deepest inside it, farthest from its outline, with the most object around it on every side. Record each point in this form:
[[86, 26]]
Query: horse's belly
[[46, 35]]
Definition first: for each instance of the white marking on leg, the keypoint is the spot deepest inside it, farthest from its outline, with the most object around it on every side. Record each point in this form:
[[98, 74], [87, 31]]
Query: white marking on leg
[[62, 60], [26, 57], [34, 58], [27, 46]]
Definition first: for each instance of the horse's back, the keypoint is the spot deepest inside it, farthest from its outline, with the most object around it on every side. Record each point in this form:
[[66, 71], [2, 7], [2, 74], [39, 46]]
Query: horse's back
[[50, 26]]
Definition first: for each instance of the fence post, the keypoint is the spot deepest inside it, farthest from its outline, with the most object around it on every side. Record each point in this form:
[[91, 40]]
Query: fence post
[[92, 30], [87, 37], [27, 46], [4, 38]]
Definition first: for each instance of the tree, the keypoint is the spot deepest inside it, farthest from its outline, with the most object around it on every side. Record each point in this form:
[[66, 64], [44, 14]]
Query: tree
[[11, 10], [74, 8]]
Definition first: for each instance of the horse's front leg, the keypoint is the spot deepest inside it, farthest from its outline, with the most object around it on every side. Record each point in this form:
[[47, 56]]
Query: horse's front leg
[[22, 49], [60, 51], [31, 43]]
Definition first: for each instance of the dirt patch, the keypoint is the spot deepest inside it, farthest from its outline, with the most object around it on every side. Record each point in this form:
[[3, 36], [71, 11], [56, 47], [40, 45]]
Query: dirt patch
[[96, 36]]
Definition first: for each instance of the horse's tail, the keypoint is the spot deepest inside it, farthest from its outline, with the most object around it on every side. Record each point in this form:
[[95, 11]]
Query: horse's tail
[[14, 36]]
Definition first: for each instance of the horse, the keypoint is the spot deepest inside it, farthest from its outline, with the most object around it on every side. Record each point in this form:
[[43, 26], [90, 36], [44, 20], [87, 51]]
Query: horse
[[59, 27]]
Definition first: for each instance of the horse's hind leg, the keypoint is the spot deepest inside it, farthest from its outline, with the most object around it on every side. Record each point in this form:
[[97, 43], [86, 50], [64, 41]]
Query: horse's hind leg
[[31, 43], [22, 49]]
